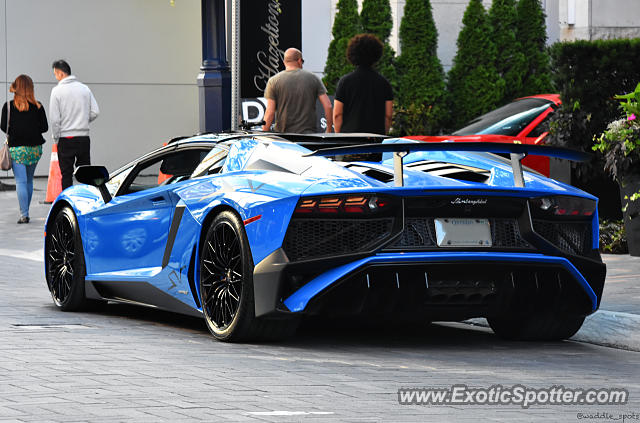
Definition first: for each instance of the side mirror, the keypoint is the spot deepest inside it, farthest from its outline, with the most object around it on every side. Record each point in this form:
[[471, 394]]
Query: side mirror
[[96, 176]]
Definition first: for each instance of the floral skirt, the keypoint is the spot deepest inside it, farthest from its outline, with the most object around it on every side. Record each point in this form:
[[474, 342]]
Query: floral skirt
[[26, 154]]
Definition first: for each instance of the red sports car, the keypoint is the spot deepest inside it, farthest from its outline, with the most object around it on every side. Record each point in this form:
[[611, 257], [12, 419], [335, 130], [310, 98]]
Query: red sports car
[[521, 121]]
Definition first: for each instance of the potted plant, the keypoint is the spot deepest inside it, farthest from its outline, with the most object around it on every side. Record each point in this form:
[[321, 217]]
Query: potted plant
[[620, 144]]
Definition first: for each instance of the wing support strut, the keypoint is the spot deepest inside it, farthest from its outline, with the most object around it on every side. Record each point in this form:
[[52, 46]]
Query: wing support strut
[[398, 170], [516, 166]]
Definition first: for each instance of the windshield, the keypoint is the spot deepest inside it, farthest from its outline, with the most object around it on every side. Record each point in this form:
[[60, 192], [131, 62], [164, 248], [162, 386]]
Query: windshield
[[509, 120]]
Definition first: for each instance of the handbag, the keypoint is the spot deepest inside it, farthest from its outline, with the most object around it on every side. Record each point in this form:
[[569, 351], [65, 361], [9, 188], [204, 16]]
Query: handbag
[[5, 157]]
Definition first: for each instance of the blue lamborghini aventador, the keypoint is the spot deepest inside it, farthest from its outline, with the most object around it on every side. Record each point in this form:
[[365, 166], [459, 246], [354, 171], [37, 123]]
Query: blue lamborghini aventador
[[253, 232]]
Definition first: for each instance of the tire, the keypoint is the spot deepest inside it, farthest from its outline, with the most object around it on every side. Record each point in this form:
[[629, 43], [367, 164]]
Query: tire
[[548, 326], [226, 285], [65, 266]]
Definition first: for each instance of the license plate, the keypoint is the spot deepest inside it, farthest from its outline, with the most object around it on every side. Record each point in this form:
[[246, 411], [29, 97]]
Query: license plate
[[458, 232]]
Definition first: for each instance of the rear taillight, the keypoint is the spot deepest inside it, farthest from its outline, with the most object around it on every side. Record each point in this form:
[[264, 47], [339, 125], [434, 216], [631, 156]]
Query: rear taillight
[[562, 206], [329, 205], [357, 204], [351, 205]]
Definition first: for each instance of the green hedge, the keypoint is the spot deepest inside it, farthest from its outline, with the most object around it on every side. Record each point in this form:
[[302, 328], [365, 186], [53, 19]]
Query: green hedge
[[587, 74]]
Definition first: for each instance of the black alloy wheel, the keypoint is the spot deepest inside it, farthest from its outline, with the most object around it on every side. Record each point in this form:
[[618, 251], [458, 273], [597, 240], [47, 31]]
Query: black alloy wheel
[[65, 268], [226, 285], [225, 277]]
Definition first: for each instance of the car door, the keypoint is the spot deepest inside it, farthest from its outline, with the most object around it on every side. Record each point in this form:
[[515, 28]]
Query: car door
[[127, 238]]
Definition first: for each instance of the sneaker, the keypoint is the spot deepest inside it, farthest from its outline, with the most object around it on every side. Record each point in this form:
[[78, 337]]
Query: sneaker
[[23, 220]]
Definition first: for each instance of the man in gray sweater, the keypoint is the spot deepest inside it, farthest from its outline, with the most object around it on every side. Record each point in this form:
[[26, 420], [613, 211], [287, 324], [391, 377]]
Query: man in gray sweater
[[71, 108]]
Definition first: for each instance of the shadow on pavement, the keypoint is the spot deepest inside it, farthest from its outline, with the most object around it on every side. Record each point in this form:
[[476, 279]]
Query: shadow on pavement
[[317, 334], [152, 316]]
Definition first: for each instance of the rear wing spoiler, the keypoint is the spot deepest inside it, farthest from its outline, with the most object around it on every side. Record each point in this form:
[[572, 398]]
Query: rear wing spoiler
[[324, 140], [401, 149]]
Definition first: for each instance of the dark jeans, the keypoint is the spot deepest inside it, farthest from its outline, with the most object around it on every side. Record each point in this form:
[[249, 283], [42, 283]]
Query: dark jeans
[[72, 152]]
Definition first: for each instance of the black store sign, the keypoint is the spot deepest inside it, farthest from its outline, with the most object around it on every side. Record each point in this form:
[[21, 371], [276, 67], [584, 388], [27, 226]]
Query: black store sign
[[253, 112], [267, 29]]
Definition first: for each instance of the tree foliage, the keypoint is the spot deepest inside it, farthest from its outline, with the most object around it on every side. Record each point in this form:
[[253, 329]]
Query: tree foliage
[[531, 33], [346, 24], [510, 61], [474, 84], [376, 19], [420, 75]]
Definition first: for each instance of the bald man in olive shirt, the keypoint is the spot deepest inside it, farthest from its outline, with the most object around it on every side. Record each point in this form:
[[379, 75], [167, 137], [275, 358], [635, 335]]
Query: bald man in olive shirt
[[291, 96]]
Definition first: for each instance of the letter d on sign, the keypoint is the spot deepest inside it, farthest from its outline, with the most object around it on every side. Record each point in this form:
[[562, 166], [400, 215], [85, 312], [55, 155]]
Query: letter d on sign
[[252, 111]]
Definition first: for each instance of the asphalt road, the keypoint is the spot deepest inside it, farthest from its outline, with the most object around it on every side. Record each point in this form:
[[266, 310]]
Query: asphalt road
[[134, 364]]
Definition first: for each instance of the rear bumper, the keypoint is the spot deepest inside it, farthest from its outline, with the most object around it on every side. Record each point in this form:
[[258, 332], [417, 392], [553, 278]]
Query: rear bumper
[[478, 282]]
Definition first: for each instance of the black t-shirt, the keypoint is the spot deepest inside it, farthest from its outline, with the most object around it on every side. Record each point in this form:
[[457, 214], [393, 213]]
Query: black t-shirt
[[26, 127], [363, 93]]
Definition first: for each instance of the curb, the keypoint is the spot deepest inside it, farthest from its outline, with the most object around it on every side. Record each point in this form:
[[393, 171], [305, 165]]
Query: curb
[[611, 329], [607, 328]]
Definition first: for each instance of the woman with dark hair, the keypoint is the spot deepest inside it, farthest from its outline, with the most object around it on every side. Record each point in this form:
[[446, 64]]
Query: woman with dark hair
[[364, 99], [27, 121]]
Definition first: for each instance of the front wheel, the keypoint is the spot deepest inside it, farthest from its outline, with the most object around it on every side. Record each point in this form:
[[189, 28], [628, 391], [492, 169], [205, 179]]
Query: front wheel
[[226, 285], [65, 268]]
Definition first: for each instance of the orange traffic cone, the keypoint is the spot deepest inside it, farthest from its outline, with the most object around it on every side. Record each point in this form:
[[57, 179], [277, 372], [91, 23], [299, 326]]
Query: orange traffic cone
[[163, 176], [54, 185]]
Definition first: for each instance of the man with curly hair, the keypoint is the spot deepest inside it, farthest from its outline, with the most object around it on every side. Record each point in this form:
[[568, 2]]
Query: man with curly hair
[[364, 98], [291, 97]]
